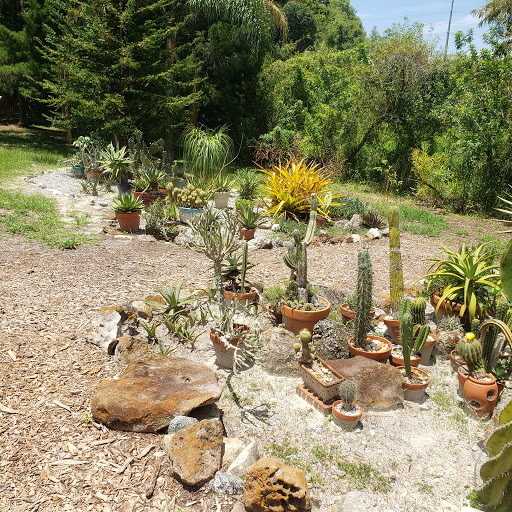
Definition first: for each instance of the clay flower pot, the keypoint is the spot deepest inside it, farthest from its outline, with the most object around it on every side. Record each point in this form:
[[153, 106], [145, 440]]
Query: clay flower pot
[[414, 391], [455, 360], [320, 221], [398, 360], [481, 395], [243, 299], [129, 222], [427, 349], [295, 319], [225, 355], [349, 314], [148, 198], [347, 420], [394, 327], [448, 308], [92, 175], [325, 391], [247, 234], [381, 356], [462, 377]]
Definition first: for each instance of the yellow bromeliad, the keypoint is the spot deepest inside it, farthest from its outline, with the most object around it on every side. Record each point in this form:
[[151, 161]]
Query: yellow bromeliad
[[288, 189]]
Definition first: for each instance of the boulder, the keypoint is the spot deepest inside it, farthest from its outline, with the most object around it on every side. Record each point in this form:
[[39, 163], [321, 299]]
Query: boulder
[[247, 457], [352, 239], [231, 449], [379, 386], [261, 242], [130, 349], [354, 223], [272, 485], [196, 452], [142, 310], [149, 394], [330, 339], [341, 224], [277, 354], [105, 330], [179, 423], [335, 296], [224, 483]]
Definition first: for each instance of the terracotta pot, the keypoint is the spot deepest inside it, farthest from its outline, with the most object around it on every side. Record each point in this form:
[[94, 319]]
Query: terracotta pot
[[247, 234], [221, 199], [276, 314], [295, 319], [394, 328], [414, 392], [243, 299], [427, 349], [93, 175], [348, 314], [448, 308], [320, 221], [455, 362], [129, 222], [225, 356], [344, 420], [462, 377], [399, 361], [481, 396], [381, 356], [326, 392]]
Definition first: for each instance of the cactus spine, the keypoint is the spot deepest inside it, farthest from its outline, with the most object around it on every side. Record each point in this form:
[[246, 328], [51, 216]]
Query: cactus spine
[[409, 344], [470, 350], [496, 473], [364, 298], [296, 258], [347, 394], [396, 276], [490, 349], [418, 306], [243, 270]]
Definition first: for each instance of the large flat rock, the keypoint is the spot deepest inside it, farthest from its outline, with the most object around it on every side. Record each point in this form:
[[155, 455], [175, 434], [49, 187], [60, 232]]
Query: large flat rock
[[149, 394]]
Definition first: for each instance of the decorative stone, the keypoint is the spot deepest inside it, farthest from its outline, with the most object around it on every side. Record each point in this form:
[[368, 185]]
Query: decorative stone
[[149, 394], [354, 224], [106, 329], [179, 423], [130, 349], [352, 239], [224, 483], [263, 242], [373, 233], [277, 242], [247, 457], [340, 224], [379, 386], [142, 310], [238, 507], [330, 339], [272, 485], [195, 452], [231, 449], [277, 353]]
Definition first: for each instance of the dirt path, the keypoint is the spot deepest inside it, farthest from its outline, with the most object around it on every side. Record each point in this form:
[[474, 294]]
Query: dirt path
[[53, 460]]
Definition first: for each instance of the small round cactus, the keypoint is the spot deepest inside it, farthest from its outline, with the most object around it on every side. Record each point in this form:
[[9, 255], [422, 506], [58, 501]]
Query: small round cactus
[[304, 338], [188, 197], [347, 394]]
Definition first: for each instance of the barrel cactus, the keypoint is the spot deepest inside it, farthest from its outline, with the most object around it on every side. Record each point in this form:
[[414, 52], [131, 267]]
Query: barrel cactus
[[347, 394], [470, 349], [188, 197], [396, 276], [418, 307], [364, 298], [496, 473]]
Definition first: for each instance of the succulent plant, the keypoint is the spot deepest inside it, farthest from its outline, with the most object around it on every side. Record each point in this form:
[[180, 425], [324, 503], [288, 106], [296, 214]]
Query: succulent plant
[[303, 347], [348, 392], [188, 197], [470, 349], [372, 219], [396, 276], [418, 306], [127, 203], [491, 348], [364, 298]]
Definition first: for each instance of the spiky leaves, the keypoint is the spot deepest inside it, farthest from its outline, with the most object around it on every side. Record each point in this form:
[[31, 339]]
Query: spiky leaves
[[364, 298]]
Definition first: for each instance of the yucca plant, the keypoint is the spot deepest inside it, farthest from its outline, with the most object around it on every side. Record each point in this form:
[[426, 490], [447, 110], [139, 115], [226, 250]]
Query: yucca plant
[[471, 275], [288, 188], [127, 203], [117, 162]]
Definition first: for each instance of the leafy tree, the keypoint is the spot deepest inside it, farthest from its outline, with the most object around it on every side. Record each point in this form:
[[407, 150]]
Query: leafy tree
[[301, 25], [498, 13]]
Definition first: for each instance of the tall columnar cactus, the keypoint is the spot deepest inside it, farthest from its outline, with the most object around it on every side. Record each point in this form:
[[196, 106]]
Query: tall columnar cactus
[[364, 298], [243, 270], [475, 326], [418, 306], [348, 392], [490, 349], [396, 276], [470, 349], [296, 258], [496, 473], [410, 344]]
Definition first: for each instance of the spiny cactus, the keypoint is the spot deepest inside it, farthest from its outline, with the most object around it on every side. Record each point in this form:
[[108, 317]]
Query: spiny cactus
[[409, 344], [490, 349], [396, 276], [188, 197], [296, 258], [418, 306], [304, 338], [243, 270], [470, 349], [496, 473], [475, 326], [348, 392], [364, 298]]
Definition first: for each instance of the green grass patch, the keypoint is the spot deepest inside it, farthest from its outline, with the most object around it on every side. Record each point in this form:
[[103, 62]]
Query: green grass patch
[[419, 229], [37, 218], [363, 475], [495, 244]]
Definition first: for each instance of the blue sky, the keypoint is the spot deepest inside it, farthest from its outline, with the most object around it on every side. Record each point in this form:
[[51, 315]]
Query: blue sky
[[433, 14]]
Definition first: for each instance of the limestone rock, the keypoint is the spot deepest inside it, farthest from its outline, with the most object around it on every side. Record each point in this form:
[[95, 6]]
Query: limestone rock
[[247, 457], [224, 483], [330, 339], [340, 224], [277, 242], [149, 394], [354, 224], [379, 386], [262, 242], [335, 296], [272, 485], [277, 353], [373, 233], [384, 231], [195, 452], [179, 423], [231, 449], [142, 310], [130, 349], [155, 298], [238, 507], [105, 330], [352, 239]]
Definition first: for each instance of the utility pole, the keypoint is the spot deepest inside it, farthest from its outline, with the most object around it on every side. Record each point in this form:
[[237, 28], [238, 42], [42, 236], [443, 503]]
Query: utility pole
[[448, 33]]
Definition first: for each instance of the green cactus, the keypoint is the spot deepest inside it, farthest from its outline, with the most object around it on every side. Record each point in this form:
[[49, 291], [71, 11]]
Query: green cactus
[[506, 270], [396, 276], [347, 392], [305, 337], [364, 298], [410, 345], [418, 306], [470, 349], [496, 473], [475, 326], [490, 349], [243, 270], [296, 258]]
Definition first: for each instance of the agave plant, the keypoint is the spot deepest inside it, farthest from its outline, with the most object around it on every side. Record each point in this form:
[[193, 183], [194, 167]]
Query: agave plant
[[127, 203], [471, 275]]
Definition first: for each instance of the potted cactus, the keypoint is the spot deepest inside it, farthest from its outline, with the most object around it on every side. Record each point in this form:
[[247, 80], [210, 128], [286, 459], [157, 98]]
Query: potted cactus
[[305, 311], [189, 200], [316, 374], [345, 412], [414, 380], [127, 209], [362, 343], [233, 273], [480, 388], [249, 221]]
